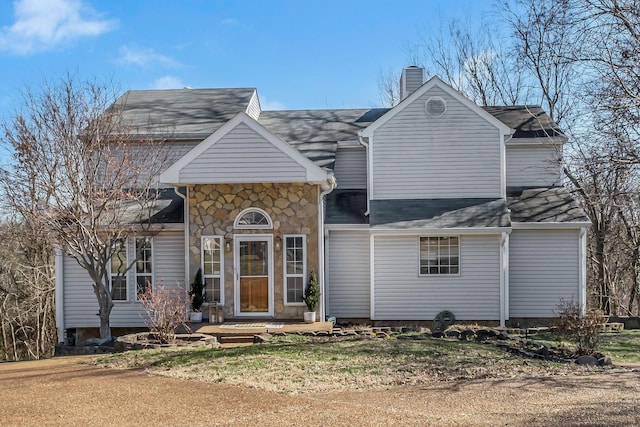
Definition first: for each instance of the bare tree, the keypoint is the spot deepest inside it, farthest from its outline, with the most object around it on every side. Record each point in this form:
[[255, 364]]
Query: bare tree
[[88, 182]]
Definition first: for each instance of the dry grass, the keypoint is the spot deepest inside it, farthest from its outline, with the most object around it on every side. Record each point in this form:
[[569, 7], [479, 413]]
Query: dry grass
[[299, 365]]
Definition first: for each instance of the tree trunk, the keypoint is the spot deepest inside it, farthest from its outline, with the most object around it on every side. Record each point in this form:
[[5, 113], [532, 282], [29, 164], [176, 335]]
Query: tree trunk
[[105, 304]]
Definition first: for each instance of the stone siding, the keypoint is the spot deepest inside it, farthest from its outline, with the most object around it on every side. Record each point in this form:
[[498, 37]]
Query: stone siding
[[293, 209]]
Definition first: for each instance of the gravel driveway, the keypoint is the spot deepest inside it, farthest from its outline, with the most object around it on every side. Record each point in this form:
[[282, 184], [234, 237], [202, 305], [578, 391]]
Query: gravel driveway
[[62, 392]]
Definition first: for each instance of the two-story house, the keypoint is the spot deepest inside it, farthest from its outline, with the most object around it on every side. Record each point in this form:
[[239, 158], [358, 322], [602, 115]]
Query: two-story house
[[435, 204]]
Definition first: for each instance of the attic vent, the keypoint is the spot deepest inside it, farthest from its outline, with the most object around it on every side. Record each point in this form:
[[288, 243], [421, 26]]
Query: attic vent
[[435, 107]]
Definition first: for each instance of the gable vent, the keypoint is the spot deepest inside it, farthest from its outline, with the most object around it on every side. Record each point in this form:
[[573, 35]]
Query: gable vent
[[435, 107]]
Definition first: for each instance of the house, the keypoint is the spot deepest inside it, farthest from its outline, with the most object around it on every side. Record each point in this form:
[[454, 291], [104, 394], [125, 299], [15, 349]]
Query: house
[[435, 204]]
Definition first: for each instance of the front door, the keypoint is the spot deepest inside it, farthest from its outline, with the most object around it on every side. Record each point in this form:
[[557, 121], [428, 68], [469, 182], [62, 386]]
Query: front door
[[254, 279]]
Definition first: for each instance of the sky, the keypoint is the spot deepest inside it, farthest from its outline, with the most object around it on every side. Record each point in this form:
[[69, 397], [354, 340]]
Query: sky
[[299, 54]]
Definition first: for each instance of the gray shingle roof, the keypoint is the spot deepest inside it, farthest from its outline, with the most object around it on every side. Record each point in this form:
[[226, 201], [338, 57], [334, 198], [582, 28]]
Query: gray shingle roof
[[346, 207], [185, 113], [439, 213], [167, 208], [529, 121], [544, 205]]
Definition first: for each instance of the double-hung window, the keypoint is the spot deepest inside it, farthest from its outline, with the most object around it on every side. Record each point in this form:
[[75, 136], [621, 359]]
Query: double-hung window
[[212, 268], [118, 271], [143, 265], [295, 268], [439, 255]]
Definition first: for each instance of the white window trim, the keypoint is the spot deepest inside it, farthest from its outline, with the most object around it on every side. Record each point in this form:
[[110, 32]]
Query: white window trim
[[213, 276], [284, 268], [252, 227], [420, 274], [125, 275], [135, 265]]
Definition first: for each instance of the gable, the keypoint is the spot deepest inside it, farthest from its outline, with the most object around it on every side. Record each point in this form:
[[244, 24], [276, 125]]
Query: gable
[[243, 151], [455, 152]]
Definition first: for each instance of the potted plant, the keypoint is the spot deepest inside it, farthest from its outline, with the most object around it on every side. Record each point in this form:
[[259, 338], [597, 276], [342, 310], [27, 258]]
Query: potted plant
[[311, 297], [196, 294]]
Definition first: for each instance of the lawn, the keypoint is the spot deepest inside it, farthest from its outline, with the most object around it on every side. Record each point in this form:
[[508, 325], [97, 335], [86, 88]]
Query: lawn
[[294, 364]]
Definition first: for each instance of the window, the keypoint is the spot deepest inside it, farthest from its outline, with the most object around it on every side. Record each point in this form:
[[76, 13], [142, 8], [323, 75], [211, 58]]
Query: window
[[118, 271], [295, 268], [439, 255], [143, 265], [212, 268], [252, 218]]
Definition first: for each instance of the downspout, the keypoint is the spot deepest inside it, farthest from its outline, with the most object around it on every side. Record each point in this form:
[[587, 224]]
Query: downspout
[[185, 221], [365, 143], [59, 286], [504, 279], [326, 188], [582, 271]]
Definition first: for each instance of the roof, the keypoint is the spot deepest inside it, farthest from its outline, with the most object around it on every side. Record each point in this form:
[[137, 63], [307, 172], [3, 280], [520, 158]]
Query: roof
[[439, 213], [346, 207], [167, 208], [315, 133], [544, 205], [529, 121], [183, 113]]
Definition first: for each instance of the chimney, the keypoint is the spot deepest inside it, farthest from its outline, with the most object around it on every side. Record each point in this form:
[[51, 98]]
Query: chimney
[[411, 79]]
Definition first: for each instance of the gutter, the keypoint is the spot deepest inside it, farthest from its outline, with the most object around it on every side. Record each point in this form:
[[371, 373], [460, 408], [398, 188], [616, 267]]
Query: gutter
[[364, 141], [326, 188]]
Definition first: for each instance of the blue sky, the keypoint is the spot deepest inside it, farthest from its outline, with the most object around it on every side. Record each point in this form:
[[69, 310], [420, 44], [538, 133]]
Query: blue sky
[[299, 54]]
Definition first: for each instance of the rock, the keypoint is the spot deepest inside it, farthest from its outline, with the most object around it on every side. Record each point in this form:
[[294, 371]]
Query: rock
[[587, 360], [605, 361], [483, 334], [467, 334], [99, 341], [261, 338], [437, 334], [452, 333]]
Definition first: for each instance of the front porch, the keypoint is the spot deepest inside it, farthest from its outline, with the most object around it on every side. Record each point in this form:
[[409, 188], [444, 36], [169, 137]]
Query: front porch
[[233, 334]]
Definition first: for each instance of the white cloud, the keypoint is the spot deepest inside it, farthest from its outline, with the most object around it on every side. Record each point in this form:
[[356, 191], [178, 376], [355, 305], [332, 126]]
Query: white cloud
[[267, 104], [45, 24], [168, 82], [136, 56]]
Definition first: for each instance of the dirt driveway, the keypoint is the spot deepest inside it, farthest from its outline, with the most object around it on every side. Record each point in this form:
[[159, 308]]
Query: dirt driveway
[[63, 392]]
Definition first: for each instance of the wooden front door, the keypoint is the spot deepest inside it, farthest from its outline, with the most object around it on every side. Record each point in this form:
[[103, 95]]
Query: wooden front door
[[254, 264]]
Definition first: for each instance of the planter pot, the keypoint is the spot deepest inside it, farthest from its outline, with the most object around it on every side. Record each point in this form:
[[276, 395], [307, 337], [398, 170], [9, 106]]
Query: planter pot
[[196, 316], [309, 317]]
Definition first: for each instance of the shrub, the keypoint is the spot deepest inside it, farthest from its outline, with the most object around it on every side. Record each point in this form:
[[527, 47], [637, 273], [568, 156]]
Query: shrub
[[312, 292], [197, 291], [166, 311], [582, 331]]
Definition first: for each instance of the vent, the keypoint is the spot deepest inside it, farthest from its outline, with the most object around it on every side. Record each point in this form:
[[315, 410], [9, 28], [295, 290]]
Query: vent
[[435, 107]]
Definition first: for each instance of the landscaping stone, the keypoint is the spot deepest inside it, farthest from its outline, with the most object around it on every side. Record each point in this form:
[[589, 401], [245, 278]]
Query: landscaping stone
[[437, 334], [261, 338], [587, 360], [452, 333], [605, 361]]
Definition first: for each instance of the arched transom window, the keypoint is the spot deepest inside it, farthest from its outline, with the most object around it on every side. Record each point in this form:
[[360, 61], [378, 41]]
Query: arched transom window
[[253, 218]]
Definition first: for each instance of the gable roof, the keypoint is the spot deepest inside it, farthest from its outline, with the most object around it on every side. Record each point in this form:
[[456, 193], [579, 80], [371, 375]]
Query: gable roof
[[436, 82], [313, 172], [183, 113]]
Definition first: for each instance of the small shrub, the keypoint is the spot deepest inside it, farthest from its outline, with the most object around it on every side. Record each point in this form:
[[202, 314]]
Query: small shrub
[[166, 311], [312, 292], [582, 331], [197, 291]]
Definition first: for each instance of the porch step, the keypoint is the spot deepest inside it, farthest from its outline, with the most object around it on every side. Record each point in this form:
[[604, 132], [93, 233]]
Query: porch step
[[235, 339]]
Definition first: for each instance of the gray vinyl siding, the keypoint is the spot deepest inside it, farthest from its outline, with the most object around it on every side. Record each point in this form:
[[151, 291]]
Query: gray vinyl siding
[[416, 156], [242, 155], [81, 305], [533, 166], [351, 168], [402, 294], [349, 279], [543, 269]]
